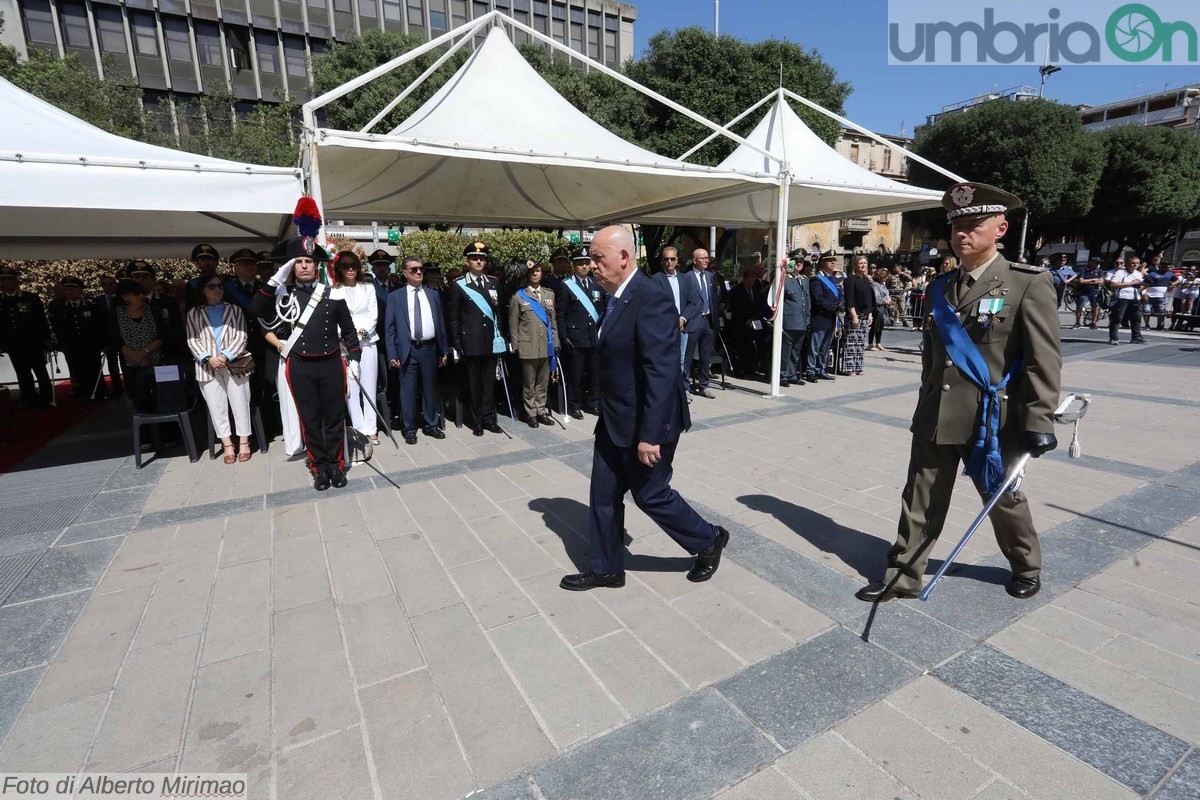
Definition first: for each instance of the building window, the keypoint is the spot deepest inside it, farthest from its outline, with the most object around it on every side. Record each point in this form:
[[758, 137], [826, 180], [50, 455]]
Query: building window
[[111, 28], [887, 159], [179, 48], [612, 24], [416, 13], [576, 37], [558, 12], [458, 9], [854, 152], [208, 44], [237, 39], [577, 15], [559, 31], [610, 48], [317, 4], [391, 10], [145, 34], [594, 43], [521, 11], [437, 15], [593, 19], [883, 219], [75, 25], [297, 62], [342, 6], [39, 21], [367, 9], [480, 8], [268, 52]]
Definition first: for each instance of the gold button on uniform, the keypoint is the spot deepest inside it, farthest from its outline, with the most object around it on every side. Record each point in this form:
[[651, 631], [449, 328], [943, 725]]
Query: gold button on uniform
[[949, 363], [945, 387]]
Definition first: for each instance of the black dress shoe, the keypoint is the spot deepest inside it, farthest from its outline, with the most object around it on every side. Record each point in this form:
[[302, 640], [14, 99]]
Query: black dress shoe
[[785, 384], [798, 382], [593, 410], [321, 481], [434, 433], [477, 431], [810, 376], [492, 427], [532, 422], [577, 414], [337, 478], [825, 376], [1023, 588], [708, 560], [410, 437], [590, 580], [545, 419], [879, 592]]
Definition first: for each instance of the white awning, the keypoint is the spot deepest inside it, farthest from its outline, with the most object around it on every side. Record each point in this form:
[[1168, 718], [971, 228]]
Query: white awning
[[71, 190]]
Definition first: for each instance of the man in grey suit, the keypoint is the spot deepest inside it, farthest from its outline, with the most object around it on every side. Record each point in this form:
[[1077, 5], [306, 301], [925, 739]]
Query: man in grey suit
[[797, 307], [685, 293]]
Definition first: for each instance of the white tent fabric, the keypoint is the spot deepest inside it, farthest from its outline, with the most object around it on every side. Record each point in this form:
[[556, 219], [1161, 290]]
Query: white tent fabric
[[497, 145], [71, 190], [824, 184]]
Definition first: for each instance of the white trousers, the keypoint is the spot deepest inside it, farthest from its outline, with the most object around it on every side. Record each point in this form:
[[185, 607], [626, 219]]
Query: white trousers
[[293, 444], [223, 392], [361, 416]]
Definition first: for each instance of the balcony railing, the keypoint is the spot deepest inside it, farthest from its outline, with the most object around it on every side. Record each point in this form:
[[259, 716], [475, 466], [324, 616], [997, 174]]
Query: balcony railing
[[856, 224]]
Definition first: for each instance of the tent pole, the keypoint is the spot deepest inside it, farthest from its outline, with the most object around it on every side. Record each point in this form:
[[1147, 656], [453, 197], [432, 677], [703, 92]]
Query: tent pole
[[729, 124], [880, 139], [781, 249], [412, 87], [314, 171]]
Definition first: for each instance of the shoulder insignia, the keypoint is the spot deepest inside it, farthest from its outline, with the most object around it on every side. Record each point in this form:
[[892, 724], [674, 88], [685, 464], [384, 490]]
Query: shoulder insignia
[[1034, 268]]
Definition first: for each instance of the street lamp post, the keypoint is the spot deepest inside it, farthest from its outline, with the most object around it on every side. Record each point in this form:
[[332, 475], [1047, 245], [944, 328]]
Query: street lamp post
[[1047, 70], [716, 17]]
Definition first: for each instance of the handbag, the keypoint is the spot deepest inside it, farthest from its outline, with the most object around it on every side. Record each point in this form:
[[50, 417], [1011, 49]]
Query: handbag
[[241, 366]]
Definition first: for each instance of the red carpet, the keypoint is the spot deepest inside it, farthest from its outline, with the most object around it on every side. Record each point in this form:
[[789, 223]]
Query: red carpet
[[24, 430]]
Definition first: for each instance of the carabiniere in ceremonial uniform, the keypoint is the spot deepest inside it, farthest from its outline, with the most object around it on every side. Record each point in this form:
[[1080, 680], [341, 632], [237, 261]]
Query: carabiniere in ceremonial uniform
[[990, 371], [315, 370]]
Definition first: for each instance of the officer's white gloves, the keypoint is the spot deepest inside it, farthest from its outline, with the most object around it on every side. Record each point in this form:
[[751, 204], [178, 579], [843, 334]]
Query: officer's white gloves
[[279, 279], [354, 369]]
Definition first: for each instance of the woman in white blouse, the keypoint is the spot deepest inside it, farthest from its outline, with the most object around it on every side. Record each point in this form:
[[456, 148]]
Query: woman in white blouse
[[216, 336], [364, 308]]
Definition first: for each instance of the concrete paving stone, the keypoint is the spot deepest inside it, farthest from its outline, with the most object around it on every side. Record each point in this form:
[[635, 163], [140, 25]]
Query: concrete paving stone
[[631, 673], [766, 784], [167, 497], [578, 616], [55, 740], [294, 522], [247, 538], [33, 631], [827, 767], [24, 543], [692, 654], [1170, 558], [453, 541], [15, 688], [420, 581], [780, 609], [229, 725], [335, 766], [197, 541], [566, 696], [313, 694], [497, 730], [921, 761], [299, 573], [733, 625], [1185, 783], [512, 547], [138, 561], [14, 569], [815, 585], [839, 672], [358, 569], [1119, 745], [516, 788], [385, 514], [179, 604], [1157, 604], [491, 594], [128, 476], [66, 569], [342, 518], [118, 503], [239, 619], [412, 742], [380, 642], [1066, 560], [89, 531], [1026, 760], [682, 752], [1143, 574], [1001, 790], [1134, 622], [1164, 501], [90, 658], [200, 513], [146, 714], [972, 598], [913, 636], [1077, 631]]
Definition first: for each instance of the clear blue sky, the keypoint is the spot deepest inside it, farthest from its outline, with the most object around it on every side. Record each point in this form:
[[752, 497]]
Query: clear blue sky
[[852, 37]]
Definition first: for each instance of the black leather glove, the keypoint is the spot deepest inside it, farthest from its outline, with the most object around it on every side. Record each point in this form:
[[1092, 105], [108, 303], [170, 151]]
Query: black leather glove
[[1038, 443]]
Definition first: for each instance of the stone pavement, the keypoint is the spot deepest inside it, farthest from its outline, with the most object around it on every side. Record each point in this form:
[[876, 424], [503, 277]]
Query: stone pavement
[[405, 637]]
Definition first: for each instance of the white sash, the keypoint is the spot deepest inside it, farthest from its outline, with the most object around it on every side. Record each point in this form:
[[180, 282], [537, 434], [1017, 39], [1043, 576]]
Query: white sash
[[317, 296]]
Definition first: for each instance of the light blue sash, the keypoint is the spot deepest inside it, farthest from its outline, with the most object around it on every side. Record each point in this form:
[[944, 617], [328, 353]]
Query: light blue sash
[[586, 301], [498, 344], [540, 312]]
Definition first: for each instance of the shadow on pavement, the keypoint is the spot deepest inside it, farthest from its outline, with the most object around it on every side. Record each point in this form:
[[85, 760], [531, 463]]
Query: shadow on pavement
[[567, 518]]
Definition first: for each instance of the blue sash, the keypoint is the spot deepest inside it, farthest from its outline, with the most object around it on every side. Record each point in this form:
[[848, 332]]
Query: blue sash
[[833, 287], [232, 290], [984, 463], [586, 301], [540, 312], [498, 344]]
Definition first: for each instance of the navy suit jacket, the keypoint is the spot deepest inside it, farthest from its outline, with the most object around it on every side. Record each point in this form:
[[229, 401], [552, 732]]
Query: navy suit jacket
[[397, 338], [689, 293], [694, 320], [642, 396]]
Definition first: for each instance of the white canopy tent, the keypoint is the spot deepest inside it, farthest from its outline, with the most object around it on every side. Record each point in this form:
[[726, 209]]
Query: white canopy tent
[[497, 145], [71, 190]]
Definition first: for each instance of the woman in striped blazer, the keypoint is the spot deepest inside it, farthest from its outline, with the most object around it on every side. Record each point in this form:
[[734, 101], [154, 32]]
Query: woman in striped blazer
[[216, 334]]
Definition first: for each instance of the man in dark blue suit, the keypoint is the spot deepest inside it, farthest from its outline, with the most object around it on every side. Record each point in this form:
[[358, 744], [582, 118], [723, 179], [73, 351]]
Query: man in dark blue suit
[[701, 326], [415, 338], [643, 409], [827, 302], [683, 292]]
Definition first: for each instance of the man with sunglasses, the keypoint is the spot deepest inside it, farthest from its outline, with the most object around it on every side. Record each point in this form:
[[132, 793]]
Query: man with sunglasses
[[1127, 282], [685, 294], [415, 338], [475, 333]]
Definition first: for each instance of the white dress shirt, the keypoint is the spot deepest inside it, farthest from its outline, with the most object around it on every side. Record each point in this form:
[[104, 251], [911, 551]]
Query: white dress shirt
[[673, 280], [414, 295]]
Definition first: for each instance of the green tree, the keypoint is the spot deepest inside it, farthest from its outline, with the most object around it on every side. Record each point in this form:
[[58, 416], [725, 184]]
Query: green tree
[[1149, 186], [1035, 149], [268, 135]]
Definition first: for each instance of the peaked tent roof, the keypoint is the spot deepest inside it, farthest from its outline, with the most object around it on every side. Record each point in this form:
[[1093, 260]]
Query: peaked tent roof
[[824, 184], [72, 190], [497, 145]]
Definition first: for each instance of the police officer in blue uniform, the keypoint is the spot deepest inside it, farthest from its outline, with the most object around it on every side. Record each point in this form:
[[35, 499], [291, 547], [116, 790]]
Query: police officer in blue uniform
[[580, 300], [475, 334]]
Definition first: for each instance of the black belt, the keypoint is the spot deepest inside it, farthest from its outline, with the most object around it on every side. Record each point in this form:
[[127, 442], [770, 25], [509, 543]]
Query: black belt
[[423, 343]]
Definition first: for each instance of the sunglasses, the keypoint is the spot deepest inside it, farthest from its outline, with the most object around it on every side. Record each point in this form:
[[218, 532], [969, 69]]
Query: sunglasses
[[214, 286], [415, 269], [476, 258], [670, 259]]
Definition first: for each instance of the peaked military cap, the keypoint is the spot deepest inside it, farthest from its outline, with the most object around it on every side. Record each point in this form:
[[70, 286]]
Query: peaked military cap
[[264, 257], [299, 247], [582, 253], [829, 255], [205, 250], [9, 272], [476, 249], [561, 252], [380, 257], [141, 266], [71, 280], [977, 199], [799, 254], [245, 254]]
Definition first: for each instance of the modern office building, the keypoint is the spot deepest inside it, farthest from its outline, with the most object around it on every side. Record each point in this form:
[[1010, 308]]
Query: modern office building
[[262, 49]]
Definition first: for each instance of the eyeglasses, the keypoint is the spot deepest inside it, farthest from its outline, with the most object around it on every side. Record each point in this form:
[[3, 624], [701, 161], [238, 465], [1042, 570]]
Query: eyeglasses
[[415, 269], [353, 267], [668, 258], [213, 286]]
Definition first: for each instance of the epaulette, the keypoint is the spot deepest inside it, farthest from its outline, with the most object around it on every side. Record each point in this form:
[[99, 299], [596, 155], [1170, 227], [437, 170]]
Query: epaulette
[[1034, 268]]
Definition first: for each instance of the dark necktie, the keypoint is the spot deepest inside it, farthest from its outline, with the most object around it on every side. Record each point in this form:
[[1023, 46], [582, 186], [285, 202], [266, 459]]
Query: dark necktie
[[417, 316]]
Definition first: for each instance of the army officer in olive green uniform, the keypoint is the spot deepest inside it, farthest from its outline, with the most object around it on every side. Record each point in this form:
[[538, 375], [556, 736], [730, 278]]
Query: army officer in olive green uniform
[[999, 322]]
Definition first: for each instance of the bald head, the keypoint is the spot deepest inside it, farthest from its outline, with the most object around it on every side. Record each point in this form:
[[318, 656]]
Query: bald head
[[613, 253]]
